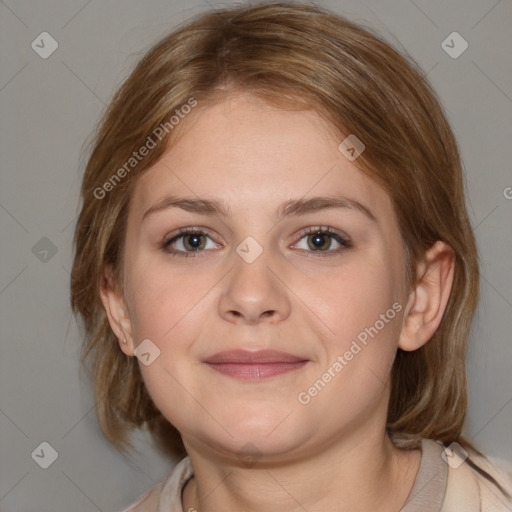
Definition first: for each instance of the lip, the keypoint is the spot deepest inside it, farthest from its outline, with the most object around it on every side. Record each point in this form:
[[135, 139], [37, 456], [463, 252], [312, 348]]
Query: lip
[[261, 364]]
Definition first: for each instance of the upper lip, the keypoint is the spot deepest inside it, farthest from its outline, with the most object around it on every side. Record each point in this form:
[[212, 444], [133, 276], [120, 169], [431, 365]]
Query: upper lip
[[253, 357]]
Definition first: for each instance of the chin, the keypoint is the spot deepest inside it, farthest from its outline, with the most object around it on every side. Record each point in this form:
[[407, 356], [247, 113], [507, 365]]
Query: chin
[[266, 436], [250, 449]]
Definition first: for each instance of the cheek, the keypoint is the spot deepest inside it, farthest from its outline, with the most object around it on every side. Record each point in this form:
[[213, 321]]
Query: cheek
[[169, 309], [351, 297], [360, 305], [362, 309], [164, 298]]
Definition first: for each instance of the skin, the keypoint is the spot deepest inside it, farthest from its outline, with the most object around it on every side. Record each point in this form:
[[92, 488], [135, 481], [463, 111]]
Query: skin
[[332, 453]]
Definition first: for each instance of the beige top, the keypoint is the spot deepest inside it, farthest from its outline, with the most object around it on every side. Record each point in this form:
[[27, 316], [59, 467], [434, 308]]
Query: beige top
[[439, 486]]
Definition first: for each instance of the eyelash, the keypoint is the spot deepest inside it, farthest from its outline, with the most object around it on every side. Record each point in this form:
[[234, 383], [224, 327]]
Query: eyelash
[[344, 241]]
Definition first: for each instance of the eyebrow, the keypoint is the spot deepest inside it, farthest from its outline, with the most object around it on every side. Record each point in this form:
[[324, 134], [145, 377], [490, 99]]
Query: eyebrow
[[291, 207]]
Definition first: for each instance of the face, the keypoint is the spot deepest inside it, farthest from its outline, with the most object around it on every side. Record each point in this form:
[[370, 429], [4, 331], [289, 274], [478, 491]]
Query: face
[[277, 313]]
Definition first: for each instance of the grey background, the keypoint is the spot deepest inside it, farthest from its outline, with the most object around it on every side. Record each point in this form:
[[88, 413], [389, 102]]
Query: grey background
[[50, 106]]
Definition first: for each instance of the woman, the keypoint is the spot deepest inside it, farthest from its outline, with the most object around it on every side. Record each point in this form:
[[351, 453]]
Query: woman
[[277, 274]]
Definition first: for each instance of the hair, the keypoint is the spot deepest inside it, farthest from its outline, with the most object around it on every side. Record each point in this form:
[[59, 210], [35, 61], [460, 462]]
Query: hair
[[303, 57]]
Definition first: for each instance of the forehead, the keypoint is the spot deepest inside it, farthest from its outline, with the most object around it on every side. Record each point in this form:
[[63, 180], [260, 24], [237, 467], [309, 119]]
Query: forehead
[[252, 154]]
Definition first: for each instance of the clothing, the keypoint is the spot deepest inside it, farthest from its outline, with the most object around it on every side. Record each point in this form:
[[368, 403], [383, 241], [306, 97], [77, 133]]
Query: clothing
[[438, 487]]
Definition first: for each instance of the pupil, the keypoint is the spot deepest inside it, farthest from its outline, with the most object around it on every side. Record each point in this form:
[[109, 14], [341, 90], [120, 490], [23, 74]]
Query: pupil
[[194, 241], [319, 240]]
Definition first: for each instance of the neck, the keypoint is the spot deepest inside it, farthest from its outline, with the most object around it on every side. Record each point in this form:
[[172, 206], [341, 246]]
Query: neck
[[355, 473]]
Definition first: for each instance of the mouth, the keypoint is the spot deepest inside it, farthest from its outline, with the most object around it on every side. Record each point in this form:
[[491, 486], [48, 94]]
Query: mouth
[[262, 364]]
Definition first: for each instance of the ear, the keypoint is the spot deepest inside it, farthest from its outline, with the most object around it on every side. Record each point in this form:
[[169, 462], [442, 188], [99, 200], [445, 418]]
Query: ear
[[427, 301], [117, 312]]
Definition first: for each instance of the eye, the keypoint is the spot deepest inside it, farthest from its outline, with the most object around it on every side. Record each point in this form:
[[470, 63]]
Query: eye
[[323, 239], [188, 240]]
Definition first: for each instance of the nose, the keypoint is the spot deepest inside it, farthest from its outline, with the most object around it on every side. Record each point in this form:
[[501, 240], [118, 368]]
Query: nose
[[254, 293]]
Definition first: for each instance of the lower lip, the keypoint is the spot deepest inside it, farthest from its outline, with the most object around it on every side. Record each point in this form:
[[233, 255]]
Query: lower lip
[[255, 371]]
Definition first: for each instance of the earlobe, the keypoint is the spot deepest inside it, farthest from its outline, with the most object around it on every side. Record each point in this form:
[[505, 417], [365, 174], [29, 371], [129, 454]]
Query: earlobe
[[427, 301], [115, 308]]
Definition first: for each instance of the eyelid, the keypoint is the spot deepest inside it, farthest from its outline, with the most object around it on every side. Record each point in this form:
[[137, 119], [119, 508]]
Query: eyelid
[[183, 231], [180, 233], [326, 230], [340, 236]]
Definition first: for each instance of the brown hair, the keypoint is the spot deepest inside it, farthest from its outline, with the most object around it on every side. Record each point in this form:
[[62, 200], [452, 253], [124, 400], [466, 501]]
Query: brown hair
[[315, 59]]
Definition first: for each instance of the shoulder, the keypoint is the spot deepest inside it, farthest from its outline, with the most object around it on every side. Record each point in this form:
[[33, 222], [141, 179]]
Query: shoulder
[[148, 501], [470, 484], [451, 479], [166, 495]]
